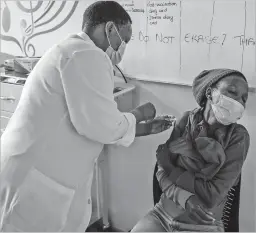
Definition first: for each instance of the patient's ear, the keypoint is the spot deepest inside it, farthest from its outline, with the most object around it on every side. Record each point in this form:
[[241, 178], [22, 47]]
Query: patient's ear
[[208, 93]]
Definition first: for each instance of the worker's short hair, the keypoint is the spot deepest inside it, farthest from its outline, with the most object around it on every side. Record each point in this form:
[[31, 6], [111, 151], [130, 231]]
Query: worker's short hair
[[103, 12]]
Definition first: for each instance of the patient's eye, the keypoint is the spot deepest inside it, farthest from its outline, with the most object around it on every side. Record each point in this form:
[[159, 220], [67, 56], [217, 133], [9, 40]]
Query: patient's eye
[[232, 92]]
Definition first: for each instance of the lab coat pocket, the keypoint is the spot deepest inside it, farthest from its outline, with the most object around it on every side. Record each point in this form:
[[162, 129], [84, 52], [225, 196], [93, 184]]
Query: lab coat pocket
[[42, 205]]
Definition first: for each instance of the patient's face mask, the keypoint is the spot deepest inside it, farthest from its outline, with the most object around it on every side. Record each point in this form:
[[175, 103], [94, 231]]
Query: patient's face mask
[[225, 109], [116, 56]]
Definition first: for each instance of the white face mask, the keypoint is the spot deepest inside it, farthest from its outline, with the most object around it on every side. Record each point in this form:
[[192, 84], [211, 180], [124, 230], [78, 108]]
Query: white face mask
[[225, 109], [116, 56]]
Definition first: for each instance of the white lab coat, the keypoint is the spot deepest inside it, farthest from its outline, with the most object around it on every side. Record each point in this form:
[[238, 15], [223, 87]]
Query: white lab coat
[[65, 115]]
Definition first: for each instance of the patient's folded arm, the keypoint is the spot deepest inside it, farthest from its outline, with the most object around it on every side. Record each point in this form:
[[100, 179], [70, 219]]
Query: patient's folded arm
[[171, 191]]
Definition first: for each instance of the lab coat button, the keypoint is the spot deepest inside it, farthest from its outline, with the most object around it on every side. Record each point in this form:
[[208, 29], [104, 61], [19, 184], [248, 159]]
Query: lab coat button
[[89, 201]]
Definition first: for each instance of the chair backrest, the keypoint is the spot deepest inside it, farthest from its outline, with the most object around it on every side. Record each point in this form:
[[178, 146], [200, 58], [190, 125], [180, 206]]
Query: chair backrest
[[230, 215], [157, 192]]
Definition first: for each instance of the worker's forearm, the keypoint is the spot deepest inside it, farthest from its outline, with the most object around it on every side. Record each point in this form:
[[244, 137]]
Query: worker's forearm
[[143, 129], [144, 112], [138, 115]]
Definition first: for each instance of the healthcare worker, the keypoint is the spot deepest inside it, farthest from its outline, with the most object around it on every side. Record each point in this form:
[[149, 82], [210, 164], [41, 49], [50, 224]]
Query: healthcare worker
[[65, 115]]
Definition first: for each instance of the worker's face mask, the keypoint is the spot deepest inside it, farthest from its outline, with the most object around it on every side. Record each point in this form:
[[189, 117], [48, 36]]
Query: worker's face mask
[[116, 56], [226, 110]]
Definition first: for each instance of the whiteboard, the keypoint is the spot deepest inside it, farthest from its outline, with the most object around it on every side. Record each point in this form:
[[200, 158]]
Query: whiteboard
[[173, 41]]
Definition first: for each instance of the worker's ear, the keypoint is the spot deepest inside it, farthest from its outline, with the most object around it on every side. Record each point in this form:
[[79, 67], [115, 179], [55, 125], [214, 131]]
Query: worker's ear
[[109, 27]]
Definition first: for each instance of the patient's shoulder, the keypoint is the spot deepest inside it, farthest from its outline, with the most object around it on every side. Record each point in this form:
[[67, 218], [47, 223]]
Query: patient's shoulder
[[185, 115], [240, 133], [183, 119], [191, 114], [240, 129]]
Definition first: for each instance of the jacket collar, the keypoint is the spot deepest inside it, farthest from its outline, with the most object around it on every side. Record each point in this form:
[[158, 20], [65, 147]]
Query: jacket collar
[[198, 117], [85, 37]]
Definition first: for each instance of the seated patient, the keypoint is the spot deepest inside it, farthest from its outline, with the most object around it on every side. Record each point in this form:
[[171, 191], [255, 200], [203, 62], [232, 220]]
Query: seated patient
[[203, 156]]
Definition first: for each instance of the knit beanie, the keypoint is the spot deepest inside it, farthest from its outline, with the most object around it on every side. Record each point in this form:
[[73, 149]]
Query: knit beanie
[[207, 78]]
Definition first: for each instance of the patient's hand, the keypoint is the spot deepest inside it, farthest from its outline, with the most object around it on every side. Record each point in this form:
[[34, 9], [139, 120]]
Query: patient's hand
[[198, 212], [160, 124]]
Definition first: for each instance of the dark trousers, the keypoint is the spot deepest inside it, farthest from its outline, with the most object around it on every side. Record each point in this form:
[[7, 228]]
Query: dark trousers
[[231, 209]]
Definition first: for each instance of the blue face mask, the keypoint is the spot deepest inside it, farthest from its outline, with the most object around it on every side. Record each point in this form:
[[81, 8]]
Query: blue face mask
[[116, 56]]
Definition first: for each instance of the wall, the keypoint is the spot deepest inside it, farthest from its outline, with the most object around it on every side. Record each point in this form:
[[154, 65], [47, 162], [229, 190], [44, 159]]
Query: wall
[[131, 169], [29, 30]]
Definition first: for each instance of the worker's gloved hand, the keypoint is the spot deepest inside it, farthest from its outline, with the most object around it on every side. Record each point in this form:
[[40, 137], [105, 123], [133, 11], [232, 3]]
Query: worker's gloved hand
[[161, 123], [144, 112]]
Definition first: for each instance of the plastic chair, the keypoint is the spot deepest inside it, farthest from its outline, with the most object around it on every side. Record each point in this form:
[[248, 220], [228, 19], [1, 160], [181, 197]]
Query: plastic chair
[[230, 216]]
